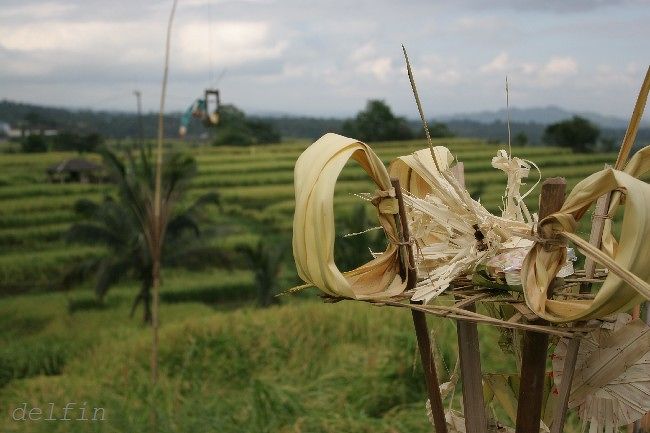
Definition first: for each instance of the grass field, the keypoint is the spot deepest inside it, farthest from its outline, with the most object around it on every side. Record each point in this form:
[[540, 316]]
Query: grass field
[[225, 366], [255, 183]]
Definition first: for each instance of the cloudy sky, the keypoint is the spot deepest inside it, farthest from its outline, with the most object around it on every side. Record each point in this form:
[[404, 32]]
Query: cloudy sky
[[327, 57]]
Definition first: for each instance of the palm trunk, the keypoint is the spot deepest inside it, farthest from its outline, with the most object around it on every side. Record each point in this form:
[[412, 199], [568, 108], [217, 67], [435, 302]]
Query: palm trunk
[[144, 297], [147, 316]]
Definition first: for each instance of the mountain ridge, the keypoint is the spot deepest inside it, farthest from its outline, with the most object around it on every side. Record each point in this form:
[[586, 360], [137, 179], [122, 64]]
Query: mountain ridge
[[487, 125], [542, 115]]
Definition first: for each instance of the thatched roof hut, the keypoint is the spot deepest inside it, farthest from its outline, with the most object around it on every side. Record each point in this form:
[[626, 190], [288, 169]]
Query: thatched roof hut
[[75, 170]]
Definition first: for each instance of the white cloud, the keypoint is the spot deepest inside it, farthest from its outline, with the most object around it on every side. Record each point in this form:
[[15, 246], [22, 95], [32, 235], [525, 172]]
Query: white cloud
[[555, 6], [550, 73], [440, 71], [363, 52], [381, 68], [481, 23], [559, 66], [95, 39], [500, 63], [232, 43], [48, 9], [100, 48], [365, 60], [217, 3], [283, 55]]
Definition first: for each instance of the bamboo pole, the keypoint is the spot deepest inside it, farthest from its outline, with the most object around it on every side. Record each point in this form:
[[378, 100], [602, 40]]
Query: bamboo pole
[[637, 427], [535, 345], [470, 357], [644, 423], [420, 322], [595, 238], [470, 316]]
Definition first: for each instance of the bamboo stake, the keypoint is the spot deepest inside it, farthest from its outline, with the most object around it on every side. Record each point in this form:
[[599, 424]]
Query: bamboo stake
[[644, 423], [420, 323], [470, 356], [535, 345], [595, 238], [635, 427]]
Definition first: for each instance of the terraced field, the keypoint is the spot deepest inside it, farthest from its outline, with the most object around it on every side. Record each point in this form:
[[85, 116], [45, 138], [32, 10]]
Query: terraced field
[[256, 185], [302, 366]]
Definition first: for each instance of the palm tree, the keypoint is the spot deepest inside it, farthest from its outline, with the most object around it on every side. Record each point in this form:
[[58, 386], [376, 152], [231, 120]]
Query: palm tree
[[356, 239], [266, 261], [124, 225]]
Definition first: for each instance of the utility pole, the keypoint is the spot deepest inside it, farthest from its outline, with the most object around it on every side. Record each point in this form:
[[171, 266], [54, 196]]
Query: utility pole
[[138, 96]]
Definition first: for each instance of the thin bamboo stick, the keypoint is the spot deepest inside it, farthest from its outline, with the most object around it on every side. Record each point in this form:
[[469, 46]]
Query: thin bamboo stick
[[595, 237], [452, 312], [460, 314], [644, 423], [535, 345], [469, 354], [420, 322]]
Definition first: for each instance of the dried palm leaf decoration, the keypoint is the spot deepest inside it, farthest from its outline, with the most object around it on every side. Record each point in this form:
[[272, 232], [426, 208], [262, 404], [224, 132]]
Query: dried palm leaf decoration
[[445, 221], [611, 386], [313, 226]]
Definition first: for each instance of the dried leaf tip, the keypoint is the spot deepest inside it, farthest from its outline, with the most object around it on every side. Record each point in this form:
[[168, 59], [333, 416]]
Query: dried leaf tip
[[508, 115], [633, 126], [419, 105]]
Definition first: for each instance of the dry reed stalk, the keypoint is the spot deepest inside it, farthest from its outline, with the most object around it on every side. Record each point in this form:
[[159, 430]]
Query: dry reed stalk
[[158, 223], [419, 105], [461, 314]]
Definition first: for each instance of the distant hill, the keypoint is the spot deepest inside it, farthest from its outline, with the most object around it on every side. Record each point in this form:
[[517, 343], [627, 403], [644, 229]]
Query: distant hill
[[487, 125], [302, 127], [111, 124], [543, 115], [498, 131]]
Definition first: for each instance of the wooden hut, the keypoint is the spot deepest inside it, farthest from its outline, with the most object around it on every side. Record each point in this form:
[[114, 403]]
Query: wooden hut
[[75, 170]]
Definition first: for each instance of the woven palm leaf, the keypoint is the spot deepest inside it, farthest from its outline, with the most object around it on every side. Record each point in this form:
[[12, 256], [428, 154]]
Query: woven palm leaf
[[611, 386]]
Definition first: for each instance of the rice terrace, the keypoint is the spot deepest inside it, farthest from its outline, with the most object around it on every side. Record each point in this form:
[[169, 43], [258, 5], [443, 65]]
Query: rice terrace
[[278, 241]]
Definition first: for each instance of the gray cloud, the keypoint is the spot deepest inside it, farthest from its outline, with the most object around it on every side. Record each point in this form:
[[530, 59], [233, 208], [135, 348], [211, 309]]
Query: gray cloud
[[554, 6], [326, 57]]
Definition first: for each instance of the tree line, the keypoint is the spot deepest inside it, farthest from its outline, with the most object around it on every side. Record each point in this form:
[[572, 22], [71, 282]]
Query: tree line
[[84, 131]]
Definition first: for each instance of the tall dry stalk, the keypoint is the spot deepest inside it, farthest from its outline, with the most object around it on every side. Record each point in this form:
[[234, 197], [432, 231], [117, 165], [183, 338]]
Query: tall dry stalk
[[414, 88], [158, 223]]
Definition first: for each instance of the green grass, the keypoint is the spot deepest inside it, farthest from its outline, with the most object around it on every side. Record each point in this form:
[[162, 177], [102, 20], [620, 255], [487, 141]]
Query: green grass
[[256, 185], [301, 367], [33, 236], [20, 271], [225, 366], [305, 367]]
